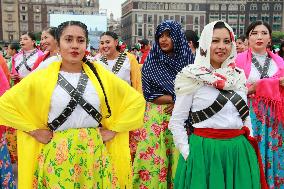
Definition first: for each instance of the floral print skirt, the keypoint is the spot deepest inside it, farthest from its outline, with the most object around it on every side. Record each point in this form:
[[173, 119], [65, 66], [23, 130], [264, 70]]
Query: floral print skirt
[[270, 137], [156, 156], [6, 171], [11, 137], [75, 158]]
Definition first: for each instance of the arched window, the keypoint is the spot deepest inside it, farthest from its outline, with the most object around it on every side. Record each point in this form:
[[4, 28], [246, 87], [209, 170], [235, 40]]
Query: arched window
[[277, 7], [242, 8], [224, 7], [265, 6], [196, 7], [216, 6], [253, 7]]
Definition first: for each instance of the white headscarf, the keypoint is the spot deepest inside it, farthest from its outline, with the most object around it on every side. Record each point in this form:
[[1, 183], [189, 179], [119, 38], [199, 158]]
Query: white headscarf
[[194, 76]]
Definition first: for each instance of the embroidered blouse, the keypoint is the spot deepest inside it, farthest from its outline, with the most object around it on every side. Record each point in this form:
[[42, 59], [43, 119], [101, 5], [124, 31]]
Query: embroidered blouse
[[79, 117]]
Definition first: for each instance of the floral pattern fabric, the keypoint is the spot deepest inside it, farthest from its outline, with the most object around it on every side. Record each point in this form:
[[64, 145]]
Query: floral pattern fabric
[[75, 158], [156, 156], [11, 137], [6, 171], [269, 135]]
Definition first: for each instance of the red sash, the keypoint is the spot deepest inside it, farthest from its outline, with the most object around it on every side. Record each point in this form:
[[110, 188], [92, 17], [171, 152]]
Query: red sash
[[232, 133]]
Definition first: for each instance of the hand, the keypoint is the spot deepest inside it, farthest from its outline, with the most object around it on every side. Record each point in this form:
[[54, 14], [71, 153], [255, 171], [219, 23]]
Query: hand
[[252, 89], [169, 109], [15, 76], [42, 135], [281, 81], [107, 135]]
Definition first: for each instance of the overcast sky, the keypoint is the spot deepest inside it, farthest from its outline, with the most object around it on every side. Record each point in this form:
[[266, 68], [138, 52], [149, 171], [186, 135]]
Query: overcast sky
[[113, 6]]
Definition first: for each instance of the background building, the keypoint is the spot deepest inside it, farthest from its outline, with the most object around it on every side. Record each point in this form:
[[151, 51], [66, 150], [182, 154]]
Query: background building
[[114, 25], [19, 16], [141, 17]]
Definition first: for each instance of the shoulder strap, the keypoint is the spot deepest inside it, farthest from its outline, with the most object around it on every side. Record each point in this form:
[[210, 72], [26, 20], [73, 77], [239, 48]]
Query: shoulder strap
[[119, 63], [218, 104], [24, 62], [208, 112], [262, 70], [76, 98]]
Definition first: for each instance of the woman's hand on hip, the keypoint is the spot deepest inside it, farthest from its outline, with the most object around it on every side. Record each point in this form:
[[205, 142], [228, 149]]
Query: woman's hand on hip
[[169, 109], [107, 135], [42, 135]]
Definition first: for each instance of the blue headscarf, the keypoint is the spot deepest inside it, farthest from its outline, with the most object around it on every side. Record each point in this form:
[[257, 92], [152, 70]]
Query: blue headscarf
[[159, 70]]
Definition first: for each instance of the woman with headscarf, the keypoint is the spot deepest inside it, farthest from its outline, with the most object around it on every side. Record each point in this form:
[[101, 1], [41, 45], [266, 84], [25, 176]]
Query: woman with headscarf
[[156, 156], [6, 171], [265, 81], [211, 99]]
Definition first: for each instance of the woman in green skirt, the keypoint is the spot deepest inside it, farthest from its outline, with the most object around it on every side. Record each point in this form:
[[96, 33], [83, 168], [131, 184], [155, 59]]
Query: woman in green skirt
[[209, 117]]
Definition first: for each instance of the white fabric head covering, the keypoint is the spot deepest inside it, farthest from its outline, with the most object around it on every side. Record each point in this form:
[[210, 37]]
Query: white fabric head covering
[[200, 73]]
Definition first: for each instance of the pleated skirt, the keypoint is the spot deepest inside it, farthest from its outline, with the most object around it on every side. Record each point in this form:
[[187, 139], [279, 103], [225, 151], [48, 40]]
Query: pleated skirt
[[218, 163]]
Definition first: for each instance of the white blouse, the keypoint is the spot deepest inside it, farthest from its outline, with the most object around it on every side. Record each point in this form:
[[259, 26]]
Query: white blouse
[[123, 73], [23, 72], [48, 61], [227, 118], [254, 73], [79, 117]]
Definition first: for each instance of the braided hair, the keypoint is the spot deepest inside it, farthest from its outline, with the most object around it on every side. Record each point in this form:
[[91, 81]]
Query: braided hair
[[59, 32], [101, 84], [64, 25]]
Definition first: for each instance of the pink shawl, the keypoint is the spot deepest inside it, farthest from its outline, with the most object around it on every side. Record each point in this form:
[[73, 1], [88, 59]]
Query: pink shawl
[[268, 93], [4, 85]]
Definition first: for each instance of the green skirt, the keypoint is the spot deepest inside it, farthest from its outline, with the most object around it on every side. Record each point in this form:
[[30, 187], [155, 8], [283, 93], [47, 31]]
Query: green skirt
[[75, 158], [218, 163]]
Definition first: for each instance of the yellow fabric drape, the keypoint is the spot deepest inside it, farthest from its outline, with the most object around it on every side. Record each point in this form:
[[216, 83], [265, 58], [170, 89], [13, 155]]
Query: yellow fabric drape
[[135, 73], [25, 107]]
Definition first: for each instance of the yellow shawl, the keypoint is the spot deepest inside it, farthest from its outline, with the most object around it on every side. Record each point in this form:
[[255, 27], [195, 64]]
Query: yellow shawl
[[26, 106], [135, 73]]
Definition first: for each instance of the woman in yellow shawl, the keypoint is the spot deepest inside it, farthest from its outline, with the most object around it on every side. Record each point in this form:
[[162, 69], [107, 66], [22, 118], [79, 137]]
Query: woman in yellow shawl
[[74, 155]]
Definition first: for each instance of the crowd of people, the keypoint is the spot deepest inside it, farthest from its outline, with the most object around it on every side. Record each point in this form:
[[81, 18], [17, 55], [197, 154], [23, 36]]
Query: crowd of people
[[182, 111]]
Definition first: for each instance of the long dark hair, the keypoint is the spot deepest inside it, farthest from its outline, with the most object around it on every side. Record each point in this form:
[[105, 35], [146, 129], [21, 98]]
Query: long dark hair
[[192, 36], [15, 46]]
